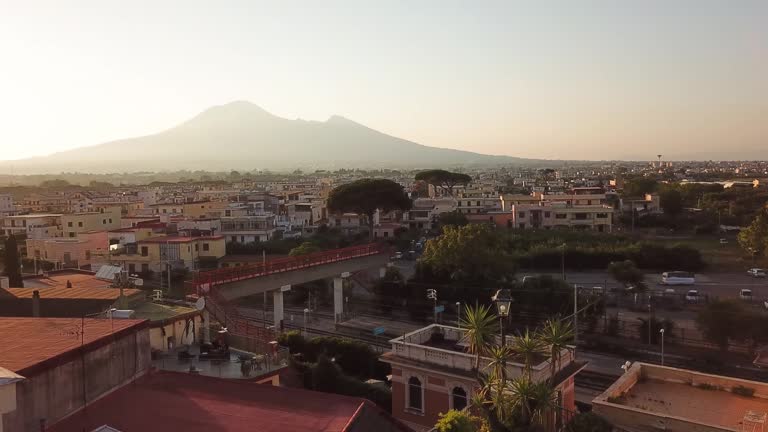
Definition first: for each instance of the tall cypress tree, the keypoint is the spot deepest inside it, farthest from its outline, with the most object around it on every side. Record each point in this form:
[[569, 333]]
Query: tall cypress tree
[[12, 264]]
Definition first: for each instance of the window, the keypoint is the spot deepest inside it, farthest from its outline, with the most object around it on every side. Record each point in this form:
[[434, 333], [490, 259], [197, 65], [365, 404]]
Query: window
[[602, 215], [206, 247], [415, 394], [145, 268], [103, 221], [72, 234], [386, 234], [69, 224], [242, 239], [458, 398], [522, 226], [131, 268], [547, 214], [561, 215], [521, 215], [80, 224], [144, 251], [478, 203], [110, 220], [197, 247], [87, 254], [165, 210]]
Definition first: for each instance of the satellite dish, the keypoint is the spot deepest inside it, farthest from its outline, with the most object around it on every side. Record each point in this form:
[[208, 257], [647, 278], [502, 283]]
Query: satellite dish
[[200, 303]]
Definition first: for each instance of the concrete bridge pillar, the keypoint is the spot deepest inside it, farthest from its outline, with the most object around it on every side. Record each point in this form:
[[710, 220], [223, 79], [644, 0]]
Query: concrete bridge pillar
[[277, 313], [338, 296]]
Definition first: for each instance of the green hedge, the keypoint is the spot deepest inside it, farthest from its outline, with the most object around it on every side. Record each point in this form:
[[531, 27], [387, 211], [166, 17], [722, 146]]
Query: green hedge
[[355, 358]]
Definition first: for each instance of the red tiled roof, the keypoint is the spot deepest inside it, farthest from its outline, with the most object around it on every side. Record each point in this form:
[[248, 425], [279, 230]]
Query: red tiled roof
[[78, 279], [173, 401], [84, 293], [28, 345]]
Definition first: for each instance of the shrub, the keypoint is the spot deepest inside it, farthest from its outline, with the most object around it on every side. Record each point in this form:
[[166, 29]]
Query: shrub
[[458, 421]]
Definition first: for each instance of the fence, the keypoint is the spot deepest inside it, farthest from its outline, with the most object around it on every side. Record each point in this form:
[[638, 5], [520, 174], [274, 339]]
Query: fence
[[208, 279]]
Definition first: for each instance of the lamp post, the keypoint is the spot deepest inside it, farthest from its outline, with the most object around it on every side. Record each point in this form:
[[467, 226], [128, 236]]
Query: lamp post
[[458, 314], [562, 261], [662, 346], [306, 311], [503, 300], [650, 321]]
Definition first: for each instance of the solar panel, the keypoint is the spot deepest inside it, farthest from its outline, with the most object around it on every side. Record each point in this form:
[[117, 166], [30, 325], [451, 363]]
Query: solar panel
[[108, 272]]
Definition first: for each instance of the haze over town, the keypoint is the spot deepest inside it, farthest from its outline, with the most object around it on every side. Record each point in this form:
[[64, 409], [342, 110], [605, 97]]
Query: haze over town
[[583, 81]]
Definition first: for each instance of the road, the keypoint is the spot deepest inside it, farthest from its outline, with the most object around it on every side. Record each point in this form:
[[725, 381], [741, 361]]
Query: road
[[722, 285]]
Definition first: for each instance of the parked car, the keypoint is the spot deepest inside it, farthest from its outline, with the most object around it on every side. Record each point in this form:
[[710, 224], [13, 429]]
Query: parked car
[[756, 273], [669, 291], [677, 278], [723, 241], [745, 294], [397, 255], [692, 296]]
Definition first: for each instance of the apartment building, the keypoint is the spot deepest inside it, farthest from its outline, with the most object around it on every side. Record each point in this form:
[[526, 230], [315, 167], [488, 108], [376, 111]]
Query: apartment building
[[158, 253], [76, 223], [6, 205], [248, 229], [299, 213], [433, 375], [557, 216], [45, 203], [348, 223], [66, 252], [33, 226], [477, 202], [657, 398]]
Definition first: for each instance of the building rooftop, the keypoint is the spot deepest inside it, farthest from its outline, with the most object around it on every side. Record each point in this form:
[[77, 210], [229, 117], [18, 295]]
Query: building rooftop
[[58, 279], [28, 345], [83, 293], [656, 397], [178, 239], [193, 403], [162, 311]]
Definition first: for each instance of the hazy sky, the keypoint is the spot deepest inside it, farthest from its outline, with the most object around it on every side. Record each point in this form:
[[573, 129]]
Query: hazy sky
[[569, 79]]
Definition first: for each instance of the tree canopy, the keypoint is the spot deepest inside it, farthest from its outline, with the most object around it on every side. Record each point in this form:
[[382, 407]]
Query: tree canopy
[[365, 196], [453, 218], [443, 179], [671, 201], [754, 239], [722, 321], [626, 272], [304, 249], [471, 252]]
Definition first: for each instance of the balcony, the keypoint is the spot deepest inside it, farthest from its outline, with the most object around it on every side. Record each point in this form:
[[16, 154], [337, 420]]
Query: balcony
[[452, 353]]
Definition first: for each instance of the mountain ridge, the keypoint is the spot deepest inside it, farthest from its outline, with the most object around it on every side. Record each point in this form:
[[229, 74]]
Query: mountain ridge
[[242, 135]]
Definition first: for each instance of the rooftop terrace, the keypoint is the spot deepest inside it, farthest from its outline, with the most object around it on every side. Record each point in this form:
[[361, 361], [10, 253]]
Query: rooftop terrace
[[650, 397]]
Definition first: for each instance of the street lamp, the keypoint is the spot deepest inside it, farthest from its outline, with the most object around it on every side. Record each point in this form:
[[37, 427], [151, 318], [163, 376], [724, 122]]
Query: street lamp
[[662, 346], [503, 300], [306, 311], [458, 314], [563, 261]]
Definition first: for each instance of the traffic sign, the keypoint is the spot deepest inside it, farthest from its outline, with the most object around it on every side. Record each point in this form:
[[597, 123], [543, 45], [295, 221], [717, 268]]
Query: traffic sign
[[439, 309], [378, 331]]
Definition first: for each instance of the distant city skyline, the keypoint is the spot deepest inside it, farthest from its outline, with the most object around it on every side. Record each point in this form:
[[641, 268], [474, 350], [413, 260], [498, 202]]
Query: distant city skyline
[[591, 80]]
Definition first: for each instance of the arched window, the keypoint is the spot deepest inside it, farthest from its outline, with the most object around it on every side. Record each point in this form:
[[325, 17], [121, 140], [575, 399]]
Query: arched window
[[458, 398], [414, 394]]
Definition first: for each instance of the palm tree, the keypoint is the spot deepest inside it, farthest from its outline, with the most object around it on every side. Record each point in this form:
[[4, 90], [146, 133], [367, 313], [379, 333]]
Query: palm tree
[[530, 399], [527, 347], [556, 335], [481, 329]]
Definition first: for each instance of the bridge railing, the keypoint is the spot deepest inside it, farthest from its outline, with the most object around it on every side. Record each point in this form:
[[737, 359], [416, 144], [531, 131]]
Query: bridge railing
[[206, 280]]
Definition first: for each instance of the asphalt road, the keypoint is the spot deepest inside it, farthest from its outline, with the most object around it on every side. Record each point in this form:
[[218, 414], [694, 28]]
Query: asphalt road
[[722, 285]]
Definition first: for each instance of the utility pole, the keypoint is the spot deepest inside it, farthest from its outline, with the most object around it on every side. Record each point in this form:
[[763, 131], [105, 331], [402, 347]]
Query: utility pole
[[563, 261], [575, 314]]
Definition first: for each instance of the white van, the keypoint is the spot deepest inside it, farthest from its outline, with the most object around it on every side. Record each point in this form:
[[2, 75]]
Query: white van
[[677, 278]]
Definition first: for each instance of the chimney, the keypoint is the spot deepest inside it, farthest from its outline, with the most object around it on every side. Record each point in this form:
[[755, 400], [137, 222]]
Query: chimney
[[69, 284], [35, 303], [4, 282]]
